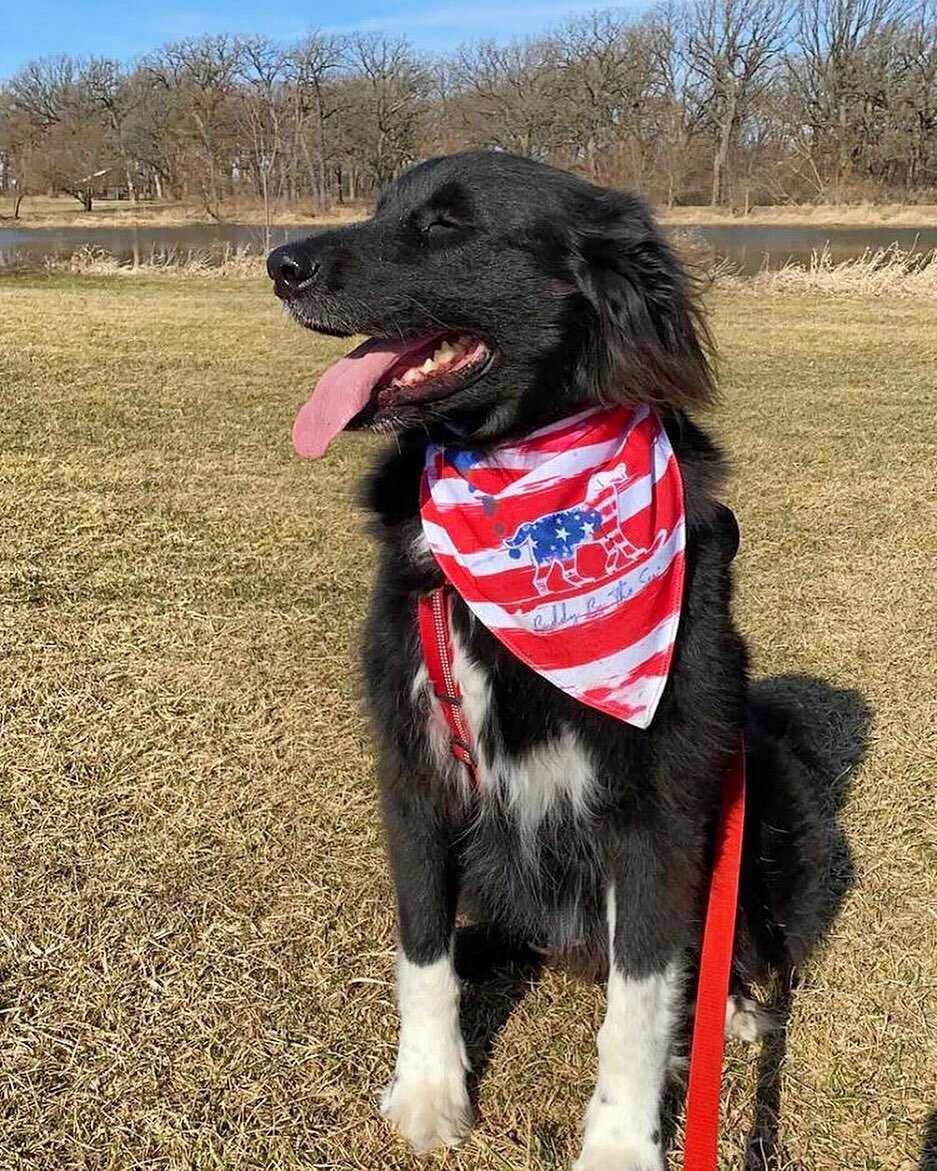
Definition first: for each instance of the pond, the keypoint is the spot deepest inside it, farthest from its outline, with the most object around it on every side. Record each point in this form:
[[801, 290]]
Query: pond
[[31, 247], [751, 246], [756, 246]]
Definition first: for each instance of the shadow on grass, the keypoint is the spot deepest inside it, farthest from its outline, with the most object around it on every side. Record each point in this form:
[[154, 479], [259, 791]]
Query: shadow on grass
[[830, 732], [497, 975], [929, 1145], [830, 727]]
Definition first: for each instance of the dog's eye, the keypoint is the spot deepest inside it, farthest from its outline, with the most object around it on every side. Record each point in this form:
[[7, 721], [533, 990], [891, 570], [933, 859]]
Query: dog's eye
[[440, 227]]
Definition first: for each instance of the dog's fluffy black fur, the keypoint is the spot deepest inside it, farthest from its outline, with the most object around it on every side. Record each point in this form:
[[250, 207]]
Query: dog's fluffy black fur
[[583, 302]]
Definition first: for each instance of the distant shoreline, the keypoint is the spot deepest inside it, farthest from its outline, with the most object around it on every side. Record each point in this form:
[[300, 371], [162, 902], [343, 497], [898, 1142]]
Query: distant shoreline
[[50, 212], [825, 215]]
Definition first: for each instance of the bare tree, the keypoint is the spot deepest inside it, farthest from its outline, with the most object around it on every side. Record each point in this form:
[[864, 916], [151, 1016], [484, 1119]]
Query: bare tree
[[67, 142], [916, 104], [606, 80], [200, 75], [674, 117], [20, 140], [730, 48], [44, 89], [314, 62], [390, 95], [149, 133], [726, 100], [830, 70], [511, 96], [262, 70], [116, 100]]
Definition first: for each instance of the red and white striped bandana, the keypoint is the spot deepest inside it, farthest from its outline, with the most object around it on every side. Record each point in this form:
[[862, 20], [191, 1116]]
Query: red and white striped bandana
[[569, 547]]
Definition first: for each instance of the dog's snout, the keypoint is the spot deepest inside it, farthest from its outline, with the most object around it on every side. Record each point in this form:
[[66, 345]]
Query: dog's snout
[[290, 267]]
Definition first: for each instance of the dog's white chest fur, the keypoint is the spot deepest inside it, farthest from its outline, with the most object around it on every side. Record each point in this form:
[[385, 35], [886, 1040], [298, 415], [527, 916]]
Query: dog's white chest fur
[[556, 774]]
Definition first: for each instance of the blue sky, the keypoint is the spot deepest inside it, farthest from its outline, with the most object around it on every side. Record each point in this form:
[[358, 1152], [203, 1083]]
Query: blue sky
[[122, 29]]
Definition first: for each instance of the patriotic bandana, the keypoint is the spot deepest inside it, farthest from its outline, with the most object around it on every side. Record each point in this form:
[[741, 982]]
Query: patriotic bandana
[[569, 547]]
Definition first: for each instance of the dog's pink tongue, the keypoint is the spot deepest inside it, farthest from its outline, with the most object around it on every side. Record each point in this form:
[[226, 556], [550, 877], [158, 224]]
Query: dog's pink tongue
[[342, 391]]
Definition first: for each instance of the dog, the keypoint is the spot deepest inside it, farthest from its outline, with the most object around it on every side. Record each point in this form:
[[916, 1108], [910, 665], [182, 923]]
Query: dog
[[590, 839]]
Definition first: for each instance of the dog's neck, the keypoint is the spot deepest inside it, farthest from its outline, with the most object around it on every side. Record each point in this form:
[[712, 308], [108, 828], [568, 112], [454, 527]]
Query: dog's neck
[[391, 492]]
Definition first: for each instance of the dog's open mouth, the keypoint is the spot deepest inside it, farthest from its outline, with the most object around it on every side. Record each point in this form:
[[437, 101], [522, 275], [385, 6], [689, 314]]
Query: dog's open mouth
[[383, 377]]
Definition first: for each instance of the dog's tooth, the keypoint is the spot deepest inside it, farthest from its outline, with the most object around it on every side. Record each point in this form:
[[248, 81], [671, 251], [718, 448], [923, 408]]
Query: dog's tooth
[[427, 366]]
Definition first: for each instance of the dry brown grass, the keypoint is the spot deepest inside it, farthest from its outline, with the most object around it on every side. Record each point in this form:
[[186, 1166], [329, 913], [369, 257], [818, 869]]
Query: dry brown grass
[[61, 211], [231, 260], [195, 919], [910, 215], [43, 211], [882, 272], [878, 272]]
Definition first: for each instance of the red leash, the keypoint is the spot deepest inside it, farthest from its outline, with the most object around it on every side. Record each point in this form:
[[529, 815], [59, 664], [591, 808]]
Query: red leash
[[701, 1144], [703, 1094]]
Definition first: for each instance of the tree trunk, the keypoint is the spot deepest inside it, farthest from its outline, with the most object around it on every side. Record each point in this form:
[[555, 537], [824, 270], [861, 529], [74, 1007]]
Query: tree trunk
[[717, 177], [321, 198], [263, 179], [17, 200], [86, 199], [841, 159], [721, 157]]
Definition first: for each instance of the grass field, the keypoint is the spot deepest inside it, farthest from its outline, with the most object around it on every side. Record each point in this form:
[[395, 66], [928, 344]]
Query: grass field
[[43, 211], [62, 211], [196, 927]]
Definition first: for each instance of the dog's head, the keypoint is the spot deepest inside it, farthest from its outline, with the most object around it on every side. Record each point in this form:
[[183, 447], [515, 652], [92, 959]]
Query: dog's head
[[499, 294]]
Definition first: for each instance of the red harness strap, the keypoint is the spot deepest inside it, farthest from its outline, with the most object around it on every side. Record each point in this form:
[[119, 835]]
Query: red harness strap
[[435, 628], [702, 1110]]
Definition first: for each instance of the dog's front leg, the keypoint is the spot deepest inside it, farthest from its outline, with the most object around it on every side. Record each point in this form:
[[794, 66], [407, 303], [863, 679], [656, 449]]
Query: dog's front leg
[[427, 1100], [622, 1125]]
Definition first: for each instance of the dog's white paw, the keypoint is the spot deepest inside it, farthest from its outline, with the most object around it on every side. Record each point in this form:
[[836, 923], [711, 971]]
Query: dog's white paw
[[611, 1144], [634, 1155], [429, 1110]]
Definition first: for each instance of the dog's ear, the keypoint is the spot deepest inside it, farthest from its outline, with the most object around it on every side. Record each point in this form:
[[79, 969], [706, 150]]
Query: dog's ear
[[645, 337]]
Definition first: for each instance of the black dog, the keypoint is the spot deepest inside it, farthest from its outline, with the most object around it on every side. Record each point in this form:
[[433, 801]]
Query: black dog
[[591, 839]]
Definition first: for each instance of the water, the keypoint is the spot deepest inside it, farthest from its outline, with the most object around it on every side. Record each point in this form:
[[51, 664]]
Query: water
[[751, 246], [756, 246], [30, 247]]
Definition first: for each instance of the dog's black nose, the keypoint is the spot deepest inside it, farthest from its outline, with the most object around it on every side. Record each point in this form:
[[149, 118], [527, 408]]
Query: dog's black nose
[[290, 266]]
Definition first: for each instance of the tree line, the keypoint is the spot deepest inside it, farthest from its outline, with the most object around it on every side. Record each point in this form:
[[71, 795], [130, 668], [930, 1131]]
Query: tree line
[[728, 102]]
